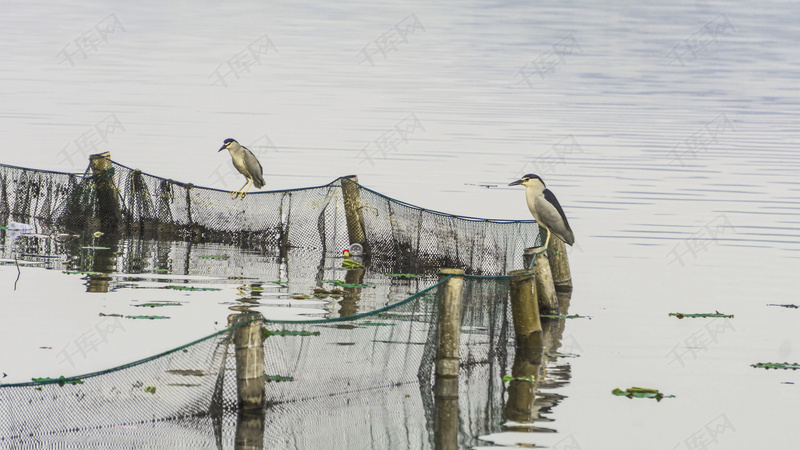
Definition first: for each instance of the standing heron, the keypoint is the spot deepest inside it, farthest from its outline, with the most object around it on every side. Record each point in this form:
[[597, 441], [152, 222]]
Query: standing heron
[[545, 208], [246, 163]]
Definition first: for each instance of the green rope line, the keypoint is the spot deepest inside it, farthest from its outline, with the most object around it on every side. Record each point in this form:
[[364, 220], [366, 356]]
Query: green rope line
[[66, 380], [366, 314]]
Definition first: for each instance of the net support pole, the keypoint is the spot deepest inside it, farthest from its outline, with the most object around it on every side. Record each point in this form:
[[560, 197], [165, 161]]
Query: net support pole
[[524, 306], [559, 264], [353, 210], [449, 336], [545, 289], [108, 211], [448, 360], [250, 376]]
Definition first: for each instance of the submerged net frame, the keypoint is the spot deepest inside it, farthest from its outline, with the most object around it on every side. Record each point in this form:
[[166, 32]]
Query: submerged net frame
[[381, 349]]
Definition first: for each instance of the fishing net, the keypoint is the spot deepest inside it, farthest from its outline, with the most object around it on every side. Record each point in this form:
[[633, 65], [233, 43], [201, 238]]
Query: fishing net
[[376, 350]]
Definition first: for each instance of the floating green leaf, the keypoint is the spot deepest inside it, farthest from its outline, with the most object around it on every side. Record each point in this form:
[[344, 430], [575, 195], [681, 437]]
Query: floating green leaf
[[150, 389], [714, 314], [561, 355], [277, 378], [350, 264], [192, 288], [565, 316], [158, 304], [146, 317], [785, 366], [300, 297], [346, 285], [268, 333], [639, 392], [508, 378]]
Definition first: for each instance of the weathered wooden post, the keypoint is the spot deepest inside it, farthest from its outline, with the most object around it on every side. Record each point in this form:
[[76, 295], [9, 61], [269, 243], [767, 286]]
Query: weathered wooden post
[[108, 210], [448, 355], [248, 340], [448, 360], [524, 306], [545, 289], [353, 211], [559, 264]]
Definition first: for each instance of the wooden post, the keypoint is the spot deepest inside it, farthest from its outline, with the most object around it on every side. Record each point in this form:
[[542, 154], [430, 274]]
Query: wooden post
[[524, 306], [447, 347], [446, 413], [545, 289], [559, 264], [108, 209], [353, 211], [250, 377]]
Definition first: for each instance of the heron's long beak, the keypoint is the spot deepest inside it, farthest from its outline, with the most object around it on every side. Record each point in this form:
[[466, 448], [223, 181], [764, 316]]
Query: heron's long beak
[[221, 149], [514, 183]]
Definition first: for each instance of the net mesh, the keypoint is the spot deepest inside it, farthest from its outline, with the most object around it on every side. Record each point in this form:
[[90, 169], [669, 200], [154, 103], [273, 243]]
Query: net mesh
[[376, 351]]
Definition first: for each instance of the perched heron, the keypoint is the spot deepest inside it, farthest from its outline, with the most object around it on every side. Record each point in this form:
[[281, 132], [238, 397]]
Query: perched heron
[[545, 208], [246, 163]]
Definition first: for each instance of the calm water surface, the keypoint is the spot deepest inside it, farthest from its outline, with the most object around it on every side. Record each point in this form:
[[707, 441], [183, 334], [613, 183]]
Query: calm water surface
[[668, 132]]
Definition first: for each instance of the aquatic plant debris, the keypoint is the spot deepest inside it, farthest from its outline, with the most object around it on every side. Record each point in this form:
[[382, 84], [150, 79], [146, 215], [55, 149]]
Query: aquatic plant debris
[[784, 306], [192, 288], [639, 392], [784, 365], [350, 264], [565, 316], [158, 304], [214, 256], [714, 314], [61, 380], [150, 389], [561, 355], [403, 275], [268, 333], [147, 317], [507, 378], [340, 283], [277, 378], [110, 315]]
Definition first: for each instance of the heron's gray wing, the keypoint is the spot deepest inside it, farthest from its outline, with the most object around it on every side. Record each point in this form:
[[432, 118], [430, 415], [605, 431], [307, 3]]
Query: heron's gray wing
[[553, 216], [254, 167]]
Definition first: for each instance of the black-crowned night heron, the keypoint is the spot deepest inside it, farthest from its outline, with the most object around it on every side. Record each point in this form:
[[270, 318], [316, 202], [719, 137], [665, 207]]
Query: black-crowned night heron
[[246, 163], [545, 208]]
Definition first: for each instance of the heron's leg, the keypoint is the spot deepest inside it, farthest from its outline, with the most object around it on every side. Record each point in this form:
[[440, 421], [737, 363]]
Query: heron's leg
[[547, 241], [237, 193], [244, 190]]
